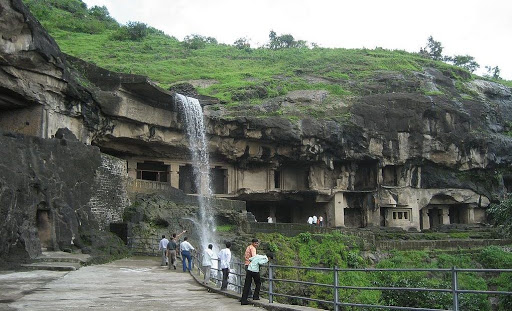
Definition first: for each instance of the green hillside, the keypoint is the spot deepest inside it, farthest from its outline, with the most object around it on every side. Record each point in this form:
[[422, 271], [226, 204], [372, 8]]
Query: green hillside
[[236, 72]]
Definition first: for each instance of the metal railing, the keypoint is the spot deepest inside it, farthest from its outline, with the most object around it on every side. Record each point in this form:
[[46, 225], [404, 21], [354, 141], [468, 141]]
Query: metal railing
[[238, 269]]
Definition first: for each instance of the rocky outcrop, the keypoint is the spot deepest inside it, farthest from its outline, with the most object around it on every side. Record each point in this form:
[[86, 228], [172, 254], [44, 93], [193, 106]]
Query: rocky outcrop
[[55, 194], [422, 134]]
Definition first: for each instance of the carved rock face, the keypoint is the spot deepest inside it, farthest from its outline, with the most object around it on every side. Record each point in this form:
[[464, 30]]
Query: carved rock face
[[389, 130]]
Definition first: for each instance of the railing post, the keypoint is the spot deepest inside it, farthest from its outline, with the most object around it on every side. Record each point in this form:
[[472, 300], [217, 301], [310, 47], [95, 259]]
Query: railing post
[[336, 298], [270, 273], [455, 287], [239, 278]]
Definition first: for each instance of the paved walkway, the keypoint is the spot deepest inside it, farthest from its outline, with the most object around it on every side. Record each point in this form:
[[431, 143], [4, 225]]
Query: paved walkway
[[128, 284]]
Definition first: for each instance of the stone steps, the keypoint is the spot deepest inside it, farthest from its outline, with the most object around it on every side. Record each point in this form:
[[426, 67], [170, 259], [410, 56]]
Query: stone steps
[[58, 261], [54, 266]]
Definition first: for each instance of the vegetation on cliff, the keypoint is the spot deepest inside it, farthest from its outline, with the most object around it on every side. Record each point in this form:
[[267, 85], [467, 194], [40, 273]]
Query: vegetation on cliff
[[336, 250], [233, 73]]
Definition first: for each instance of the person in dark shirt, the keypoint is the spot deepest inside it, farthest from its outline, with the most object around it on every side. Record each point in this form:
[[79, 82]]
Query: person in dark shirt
[[172, 247]]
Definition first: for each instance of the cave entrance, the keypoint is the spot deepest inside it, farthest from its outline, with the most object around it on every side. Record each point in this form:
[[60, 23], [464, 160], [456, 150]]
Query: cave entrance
[[285, 211], [366, 175], [219, 178], [458, 214], [154, 171], [435, 217], [44, 228], [358, 206], [186, 175]]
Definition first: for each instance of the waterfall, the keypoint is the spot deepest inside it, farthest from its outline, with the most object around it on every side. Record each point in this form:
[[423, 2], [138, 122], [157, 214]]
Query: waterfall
[[195, 130]]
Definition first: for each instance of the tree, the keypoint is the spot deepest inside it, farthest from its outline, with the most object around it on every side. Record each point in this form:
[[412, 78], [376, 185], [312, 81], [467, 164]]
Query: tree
[[433, 50], [101, 13], [195, 42], [135, 31], [464, 61], [493, 72], [242, 44], [502, 214], [285, 41]]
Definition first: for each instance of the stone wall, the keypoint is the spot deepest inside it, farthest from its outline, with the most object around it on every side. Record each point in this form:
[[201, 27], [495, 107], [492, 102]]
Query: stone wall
[[66, 189], [110, 196]]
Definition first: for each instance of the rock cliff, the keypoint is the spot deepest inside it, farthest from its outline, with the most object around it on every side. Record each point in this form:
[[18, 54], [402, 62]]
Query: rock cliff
[[402, 145]]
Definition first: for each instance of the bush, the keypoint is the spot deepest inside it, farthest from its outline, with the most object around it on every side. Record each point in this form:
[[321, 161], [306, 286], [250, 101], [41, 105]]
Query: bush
[[494, 257], [502, 215], [196, 42], [134, 31], [242, 44], [417, 299]]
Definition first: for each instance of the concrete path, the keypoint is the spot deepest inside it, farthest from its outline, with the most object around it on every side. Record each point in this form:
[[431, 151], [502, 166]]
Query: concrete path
[[128, 284]]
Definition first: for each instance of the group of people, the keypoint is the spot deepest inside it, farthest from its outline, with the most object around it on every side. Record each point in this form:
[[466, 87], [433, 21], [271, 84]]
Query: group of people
[[224, 257], [316, 221], [253, 261], [171, 248]]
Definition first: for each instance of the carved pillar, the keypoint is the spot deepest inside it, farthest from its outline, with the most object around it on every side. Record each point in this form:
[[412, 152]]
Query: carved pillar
[[174, 171], [425, 222], [131, 166], [339, 210], [471, 215], [445, 219]]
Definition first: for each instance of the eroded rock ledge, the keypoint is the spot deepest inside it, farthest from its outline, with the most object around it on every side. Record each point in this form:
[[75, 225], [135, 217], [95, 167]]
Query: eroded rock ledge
[[391, 156]]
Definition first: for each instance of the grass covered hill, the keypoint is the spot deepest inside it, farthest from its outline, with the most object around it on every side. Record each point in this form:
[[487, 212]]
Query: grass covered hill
[[233, 73]]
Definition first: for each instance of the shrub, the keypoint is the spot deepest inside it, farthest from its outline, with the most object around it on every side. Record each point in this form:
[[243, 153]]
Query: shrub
[[502, 214], [196, 42], [134, 31], [494, 257], [304, 237], [242, 44]]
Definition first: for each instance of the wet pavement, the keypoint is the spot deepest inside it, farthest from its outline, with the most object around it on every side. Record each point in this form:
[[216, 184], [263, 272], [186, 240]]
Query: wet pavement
[[136, 283]]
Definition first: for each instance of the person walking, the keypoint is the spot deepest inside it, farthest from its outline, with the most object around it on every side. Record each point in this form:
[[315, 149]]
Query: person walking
[[253, 274], [172, 248], [207, 263], [162, 246], [186, 255], [225, 260]]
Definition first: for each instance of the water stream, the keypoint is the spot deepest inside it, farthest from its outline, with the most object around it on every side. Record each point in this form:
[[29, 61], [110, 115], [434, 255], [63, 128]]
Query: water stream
[[194, 126]]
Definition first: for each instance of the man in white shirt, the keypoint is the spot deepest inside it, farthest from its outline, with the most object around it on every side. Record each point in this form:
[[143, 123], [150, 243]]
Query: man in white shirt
[[310, 220], [162, 246], [186, 248], [314, 220], [225, 259], [207, 263]]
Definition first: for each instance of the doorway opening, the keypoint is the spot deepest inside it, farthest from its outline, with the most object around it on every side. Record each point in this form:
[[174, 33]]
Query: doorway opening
[[44, 228]]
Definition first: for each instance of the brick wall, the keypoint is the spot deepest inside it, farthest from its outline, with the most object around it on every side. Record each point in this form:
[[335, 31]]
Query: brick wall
[[110, 196]]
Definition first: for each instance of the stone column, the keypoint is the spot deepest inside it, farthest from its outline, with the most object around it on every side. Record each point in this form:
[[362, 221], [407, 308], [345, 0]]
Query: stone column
[[446, 216], [174, 171], [132, 168], [470, 215], [425, 222], [339, 209]]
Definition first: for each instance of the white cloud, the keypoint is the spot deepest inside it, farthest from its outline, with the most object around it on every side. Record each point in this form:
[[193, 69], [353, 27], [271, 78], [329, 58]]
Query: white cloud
[[480, 29]]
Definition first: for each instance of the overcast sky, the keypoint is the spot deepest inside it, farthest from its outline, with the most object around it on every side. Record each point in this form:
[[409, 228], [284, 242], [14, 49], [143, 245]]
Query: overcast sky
[[480, 28]]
